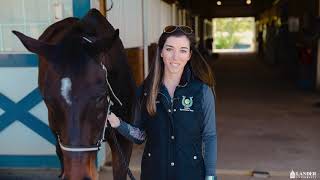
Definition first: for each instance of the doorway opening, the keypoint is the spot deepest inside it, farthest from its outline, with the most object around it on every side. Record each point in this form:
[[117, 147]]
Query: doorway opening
[[233, 34]]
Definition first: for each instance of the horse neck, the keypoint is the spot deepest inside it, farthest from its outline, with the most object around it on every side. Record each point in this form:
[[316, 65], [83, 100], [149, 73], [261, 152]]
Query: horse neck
[[123, 84]]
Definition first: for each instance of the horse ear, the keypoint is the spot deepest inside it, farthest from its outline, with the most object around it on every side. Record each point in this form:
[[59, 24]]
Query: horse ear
[[116, 33], [35, 46]]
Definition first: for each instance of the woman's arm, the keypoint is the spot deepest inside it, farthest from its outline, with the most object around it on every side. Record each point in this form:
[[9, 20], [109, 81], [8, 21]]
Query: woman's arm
[[135, 132], [209, 136]]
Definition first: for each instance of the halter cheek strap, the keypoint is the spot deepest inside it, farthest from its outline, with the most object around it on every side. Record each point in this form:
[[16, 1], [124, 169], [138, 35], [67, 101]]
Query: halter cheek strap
[[109, 86]]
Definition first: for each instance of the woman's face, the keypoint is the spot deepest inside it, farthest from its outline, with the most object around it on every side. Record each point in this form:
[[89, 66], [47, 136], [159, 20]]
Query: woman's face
[[175, 54]]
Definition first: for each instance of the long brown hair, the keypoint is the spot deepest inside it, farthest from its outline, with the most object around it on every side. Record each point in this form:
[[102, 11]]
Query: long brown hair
[[199, 67]]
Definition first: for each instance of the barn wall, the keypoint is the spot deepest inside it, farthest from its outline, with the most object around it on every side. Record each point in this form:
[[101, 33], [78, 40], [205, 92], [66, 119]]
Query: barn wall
[[127, 17]]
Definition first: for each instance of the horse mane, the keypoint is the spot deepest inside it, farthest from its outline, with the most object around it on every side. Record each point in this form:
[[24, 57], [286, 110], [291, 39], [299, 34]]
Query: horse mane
[[121, 80]]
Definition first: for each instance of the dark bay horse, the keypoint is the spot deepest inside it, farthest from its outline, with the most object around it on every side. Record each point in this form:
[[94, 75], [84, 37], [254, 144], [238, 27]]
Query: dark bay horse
[[82, 63]]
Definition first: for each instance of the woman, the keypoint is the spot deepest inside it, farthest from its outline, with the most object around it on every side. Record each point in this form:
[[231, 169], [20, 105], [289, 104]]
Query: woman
[[175, 112]]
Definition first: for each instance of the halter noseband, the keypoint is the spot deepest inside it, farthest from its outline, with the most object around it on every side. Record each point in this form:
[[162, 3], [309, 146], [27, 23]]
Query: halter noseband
[[98, 144]]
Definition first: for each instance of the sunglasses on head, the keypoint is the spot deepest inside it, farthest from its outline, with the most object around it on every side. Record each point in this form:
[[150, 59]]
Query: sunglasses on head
[[184, 29]]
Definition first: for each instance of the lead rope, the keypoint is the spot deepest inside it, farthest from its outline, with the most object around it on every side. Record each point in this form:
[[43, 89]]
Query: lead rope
[[108, 125], [124, 160], [110, 88]]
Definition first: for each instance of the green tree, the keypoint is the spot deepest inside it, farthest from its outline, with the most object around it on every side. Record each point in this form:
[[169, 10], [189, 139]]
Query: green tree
[[225, 29]]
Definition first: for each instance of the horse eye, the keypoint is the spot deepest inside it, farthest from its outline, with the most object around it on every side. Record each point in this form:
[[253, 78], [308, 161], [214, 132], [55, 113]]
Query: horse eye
[[47, 98], [99, 99]]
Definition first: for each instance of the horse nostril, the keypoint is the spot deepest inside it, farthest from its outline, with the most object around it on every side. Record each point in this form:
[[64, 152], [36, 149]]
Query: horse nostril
[[86, 178]]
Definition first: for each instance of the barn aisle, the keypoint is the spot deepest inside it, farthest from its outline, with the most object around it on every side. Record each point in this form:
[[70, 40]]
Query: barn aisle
[[264, 122]]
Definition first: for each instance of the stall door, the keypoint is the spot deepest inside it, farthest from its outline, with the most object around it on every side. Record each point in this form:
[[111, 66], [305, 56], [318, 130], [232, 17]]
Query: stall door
[[25, 138]]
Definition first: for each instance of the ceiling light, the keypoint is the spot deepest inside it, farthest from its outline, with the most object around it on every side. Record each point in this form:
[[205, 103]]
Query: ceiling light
[[219, 3], [248, 2]]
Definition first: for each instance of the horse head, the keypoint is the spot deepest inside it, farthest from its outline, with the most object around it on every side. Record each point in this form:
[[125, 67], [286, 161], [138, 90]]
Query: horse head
[[73, 72]]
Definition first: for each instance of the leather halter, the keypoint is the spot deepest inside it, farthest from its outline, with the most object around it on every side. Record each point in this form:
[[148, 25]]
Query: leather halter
[[97, 146]]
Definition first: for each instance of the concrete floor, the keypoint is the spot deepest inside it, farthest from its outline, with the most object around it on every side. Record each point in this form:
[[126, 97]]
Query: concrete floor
[[105, 174], [264, 123]]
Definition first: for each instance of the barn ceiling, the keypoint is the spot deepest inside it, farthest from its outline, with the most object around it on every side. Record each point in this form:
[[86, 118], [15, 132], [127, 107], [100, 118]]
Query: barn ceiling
[[228, 8]]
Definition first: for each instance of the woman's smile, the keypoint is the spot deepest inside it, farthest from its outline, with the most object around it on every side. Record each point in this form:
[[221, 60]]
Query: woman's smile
[[175, 64], [175, 53]]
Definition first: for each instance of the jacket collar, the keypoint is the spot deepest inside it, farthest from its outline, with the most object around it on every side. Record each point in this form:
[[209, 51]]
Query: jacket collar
[[186, 77]]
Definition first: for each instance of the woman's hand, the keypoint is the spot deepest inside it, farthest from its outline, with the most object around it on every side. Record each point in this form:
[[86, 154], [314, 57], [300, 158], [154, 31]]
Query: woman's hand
[[114, 120]]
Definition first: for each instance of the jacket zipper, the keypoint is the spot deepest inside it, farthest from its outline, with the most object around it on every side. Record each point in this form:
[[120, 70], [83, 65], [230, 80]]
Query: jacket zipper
[[172, 104]]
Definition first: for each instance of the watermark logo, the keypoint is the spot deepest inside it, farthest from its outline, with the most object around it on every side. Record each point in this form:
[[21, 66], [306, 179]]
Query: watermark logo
[[303, 175]]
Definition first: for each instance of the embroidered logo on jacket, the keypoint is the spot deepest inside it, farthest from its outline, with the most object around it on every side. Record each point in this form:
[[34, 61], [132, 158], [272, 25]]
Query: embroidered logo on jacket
[[187, 103]]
